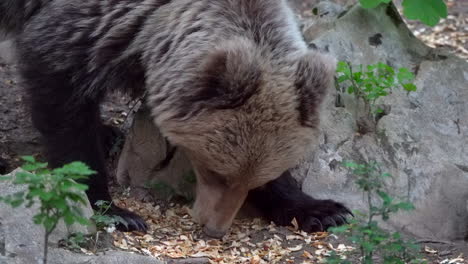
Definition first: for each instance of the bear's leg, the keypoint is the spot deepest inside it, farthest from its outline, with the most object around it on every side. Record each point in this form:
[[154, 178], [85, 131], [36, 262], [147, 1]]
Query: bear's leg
[[72, 130], [282, 200], [3, 166]]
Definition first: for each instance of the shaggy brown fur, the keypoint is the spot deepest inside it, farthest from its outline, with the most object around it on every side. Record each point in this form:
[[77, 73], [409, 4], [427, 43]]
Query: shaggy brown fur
[[241, 99], [230, 82]]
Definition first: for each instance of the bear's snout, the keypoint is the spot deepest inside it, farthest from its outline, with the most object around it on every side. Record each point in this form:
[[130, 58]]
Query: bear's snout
[[216, 207], [213, 233]]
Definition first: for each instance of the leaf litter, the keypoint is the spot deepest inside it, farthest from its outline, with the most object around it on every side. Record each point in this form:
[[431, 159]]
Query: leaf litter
[[173, 234]]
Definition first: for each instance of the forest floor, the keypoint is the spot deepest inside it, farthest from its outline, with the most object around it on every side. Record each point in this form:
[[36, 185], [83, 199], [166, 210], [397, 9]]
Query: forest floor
[[17, 137]]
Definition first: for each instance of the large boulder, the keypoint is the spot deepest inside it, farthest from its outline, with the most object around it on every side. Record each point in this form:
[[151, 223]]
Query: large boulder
[[421, 140], [147, 160]]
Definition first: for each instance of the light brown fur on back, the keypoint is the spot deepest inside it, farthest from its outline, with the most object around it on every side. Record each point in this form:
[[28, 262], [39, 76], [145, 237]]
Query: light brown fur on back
[[235, 87]]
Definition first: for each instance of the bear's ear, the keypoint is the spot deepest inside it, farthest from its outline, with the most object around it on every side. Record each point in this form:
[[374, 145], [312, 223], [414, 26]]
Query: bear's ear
[[313, 76], [228, 77]]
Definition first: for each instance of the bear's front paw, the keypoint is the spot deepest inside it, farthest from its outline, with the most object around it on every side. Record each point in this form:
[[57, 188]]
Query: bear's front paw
[[314, 215], [133, 222], [319, 215]]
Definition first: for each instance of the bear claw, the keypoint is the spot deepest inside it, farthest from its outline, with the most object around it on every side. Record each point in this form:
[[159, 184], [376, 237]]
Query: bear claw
[[133, 222], [282, 200], [319, 215]]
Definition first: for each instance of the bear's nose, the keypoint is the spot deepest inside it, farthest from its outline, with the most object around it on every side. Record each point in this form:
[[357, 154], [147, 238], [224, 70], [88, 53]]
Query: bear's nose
[[213, 233]]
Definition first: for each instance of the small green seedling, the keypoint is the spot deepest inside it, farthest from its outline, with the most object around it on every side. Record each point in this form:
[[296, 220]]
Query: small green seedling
[[375, 82], [364, 231], [368, 86], [76, 241], [56, 191]]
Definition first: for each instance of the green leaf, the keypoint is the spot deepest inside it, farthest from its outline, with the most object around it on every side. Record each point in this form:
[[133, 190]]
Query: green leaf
[[396, 235], [81, 187], [69, 219], [379, 110], [405, 206], [101, 204], [30, 159], [16, 203], [409, 87], [372, 3], [350, 164], [22, 177], [46, 196], [5, 178], [59, 204], [343, 67], [404, 75], [386, 175], [427, 11], [75, 170], [342, 78]]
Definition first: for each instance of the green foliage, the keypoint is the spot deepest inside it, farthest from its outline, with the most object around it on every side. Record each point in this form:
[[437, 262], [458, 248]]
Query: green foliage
[[375, 82], [428, 12], [365, 232], [76, 241], [56, 191], [372, 3], [102, 220]]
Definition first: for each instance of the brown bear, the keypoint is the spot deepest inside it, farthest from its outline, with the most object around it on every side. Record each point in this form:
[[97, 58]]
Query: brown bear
[[230, 82]]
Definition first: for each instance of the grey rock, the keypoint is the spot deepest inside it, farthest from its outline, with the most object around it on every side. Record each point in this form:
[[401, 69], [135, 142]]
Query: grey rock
[[62, 256], [144, 152], [21, 241], [423, 139], [20, 236]]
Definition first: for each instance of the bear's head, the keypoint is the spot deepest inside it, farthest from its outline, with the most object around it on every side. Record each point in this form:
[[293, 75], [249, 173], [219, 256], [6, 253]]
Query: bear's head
[[247, 118]]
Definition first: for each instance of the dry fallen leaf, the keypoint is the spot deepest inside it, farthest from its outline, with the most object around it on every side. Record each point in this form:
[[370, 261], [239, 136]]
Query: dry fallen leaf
[[430, 250], [296, 248]]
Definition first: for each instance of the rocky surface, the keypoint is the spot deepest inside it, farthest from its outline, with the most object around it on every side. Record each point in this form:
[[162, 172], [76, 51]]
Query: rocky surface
[[21, 241], [422, 138], [147, 159]]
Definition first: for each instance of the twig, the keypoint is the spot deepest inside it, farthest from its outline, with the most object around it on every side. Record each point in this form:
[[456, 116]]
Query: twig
[[132, 109], [421, 241]]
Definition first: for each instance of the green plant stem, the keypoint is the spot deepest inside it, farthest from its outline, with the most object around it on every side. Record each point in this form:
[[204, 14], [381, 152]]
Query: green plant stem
[[369, 203], [358, 94], [108, 207], [46, 246], [46, 243], [96, 241], [368, 255], [357, 90], [46, 239]]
